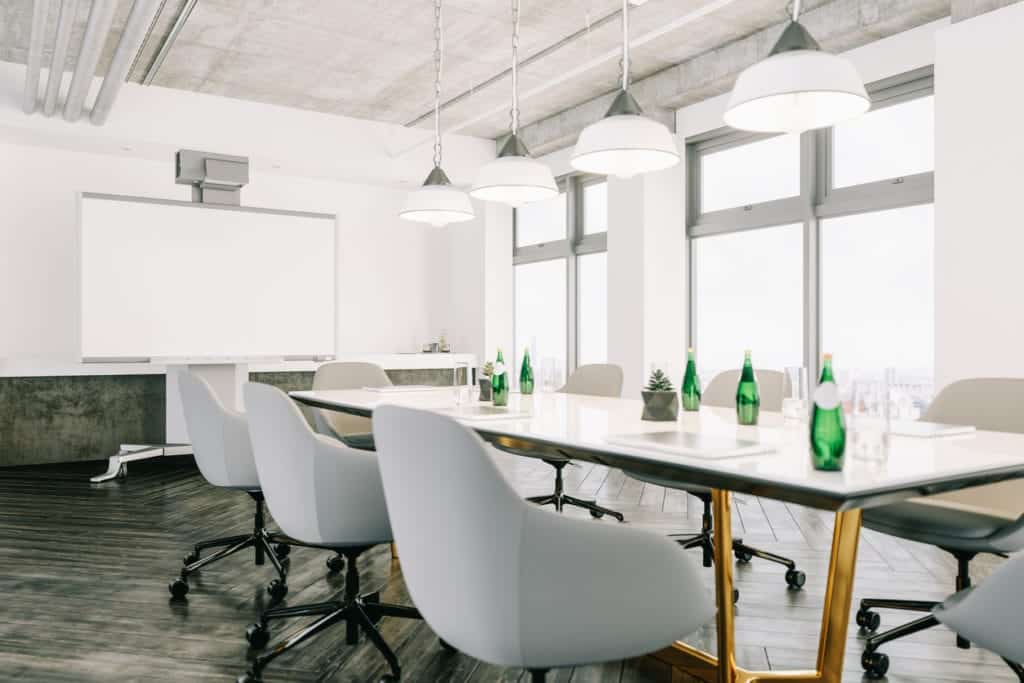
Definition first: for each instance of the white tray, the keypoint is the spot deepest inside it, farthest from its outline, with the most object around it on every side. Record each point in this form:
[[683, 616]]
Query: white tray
[[690, 444]]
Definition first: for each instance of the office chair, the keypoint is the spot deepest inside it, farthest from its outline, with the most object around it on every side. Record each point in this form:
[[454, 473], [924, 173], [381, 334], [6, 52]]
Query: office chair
[[991, 614], [531, 589], [352, 429], [983, 519], [721, 392], [327, 495], [220, 441], [588, 380]]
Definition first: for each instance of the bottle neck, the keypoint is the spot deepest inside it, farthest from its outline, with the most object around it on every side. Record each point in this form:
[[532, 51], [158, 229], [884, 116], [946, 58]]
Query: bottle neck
[[826, 372]]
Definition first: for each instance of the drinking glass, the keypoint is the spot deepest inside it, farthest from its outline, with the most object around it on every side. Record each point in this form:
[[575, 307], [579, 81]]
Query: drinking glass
[[794, 403], [547, 374], [866, 423]]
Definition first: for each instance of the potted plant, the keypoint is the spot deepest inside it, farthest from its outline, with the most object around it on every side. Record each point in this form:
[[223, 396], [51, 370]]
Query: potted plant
[[485, 381], [661, 402]]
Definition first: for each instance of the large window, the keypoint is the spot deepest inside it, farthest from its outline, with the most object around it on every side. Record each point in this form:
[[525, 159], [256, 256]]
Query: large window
[[561, 281], [821, 242]]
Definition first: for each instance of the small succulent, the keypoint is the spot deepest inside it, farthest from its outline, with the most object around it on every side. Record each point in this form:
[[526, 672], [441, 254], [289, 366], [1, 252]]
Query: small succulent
[[488, 369], [659, 382]]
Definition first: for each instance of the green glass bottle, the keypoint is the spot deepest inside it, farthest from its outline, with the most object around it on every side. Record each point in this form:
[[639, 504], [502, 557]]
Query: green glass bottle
[[748, 399], [499, 382], [828, 429], [526, 374], [691, 383]]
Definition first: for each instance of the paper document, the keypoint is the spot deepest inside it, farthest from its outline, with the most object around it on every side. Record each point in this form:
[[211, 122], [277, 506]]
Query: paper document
[[690, 444]]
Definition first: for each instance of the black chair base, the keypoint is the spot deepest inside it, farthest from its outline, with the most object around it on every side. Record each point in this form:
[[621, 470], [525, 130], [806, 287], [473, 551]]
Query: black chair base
[[360, 612], [876, 663], [560, 499], [264, 544], [705, 540], [538, 675]]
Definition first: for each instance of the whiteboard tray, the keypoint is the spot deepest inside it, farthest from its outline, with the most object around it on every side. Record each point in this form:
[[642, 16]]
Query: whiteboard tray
[[690, 444]]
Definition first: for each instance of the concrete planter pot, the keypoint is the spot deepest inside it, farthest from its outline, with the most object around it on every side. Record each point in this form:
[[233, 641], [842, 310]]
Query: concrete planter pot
[[485, 389], [660, 406]]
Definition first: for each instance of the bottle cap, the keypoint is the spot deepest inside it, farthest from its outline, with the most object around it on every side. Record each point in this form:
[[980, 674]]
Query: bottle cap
[[827, 356], [746, 352], [689, 349]]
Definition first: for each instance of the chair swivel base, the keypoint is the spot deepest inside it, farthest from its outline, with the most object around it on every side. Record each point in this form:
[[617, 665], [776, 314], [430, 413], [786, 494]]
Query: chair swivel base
[[560, 499], [360, 612]]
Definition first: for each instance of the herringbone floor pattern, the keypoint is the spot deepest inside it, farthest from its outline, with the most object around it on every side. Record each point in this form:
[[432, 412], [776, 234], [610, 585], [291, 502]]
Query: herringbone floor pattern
[[85, 568]]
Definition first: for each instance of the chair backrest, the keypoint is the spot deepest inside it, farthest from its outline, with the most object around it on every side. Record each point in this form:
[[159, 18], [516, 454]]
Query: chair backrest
[[992, 613], [346, 375], [318, 490], [993, 404], [771, 384], [598, 379], [437, 475], [219, 436]]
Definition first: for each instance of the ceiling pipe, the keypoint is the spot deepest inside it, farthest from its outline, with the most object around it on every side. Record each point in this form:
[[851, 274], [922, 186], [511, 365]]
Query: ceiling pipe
[[134, 33], [165, 47], [101, 16], [65, 22], [34, 61]]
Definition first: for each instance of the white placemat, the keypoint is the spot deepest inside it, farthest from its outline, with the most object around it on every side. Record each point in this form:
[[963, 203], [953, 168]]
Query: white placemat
[[927, 430], [690, 444]]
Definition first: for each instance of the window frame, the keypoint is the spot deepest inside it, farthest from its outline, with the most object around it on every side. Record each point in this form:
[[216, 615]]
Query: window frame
[[575, 244], [818, 200]]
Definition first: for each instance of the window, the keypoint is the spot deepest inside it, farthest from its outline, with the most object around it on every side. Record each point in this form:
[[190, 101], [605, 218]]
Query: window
[[749, 174], [750, 296], [822, 242], [561, 281]]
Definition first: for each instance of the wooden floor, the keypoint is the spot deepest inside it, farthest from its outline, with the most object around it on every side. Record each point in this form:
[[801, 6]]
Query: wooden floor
[[85, 569]]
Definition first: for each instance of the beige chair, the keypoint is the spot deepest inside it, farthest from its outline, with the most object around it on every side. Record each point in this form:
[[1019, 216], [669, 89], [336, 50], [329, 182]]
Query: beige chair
[[984, 519], [721, 393], [347, 375]]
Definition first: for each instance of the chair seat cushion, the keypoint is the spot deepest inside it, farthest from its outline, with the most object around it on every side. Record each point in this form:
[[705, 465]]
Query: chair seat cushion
[[947, 527]]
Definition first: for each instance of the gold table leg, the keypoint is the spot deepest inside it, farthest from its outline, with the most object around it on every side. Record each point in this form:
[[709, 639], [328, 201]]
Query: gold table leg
[[834, 621]]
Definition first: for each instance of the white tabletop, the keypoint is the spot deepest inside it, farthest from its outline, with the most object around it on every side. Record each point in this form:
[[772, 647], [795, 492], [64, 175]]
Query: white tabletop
[[581, 425]]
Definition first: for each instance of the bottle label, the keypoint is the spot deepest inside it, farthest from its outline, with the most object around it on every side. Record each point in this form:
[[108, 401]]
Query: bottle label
[[826, 396], [499, 369]]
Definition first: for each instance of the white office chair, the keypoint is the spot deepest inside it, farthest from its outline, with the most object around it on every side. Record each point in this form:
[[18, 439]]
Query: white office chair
[[721, 392], [346, 375], [589, 380], [992, 614], [220, 441], [327, 495], [511, 583], [983, 519]]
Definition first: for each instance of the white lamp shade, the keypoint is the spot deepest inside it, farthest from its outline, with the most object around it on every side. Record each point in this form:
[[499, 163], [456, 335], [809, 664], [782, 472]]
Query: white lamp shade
[[794, 91], [514, 180], [625, 145], [437, 205]]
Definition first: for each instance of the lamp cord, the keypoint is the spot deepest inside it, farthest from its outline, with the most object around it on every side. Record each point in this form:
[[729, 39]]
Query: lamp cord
[[514, 113], [438, 64], [625, 44]]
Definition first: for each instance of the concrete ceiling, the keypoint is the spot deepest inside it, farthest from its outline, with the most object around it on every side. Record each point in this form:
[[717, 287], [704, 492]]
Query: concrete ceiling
[[372, 59]]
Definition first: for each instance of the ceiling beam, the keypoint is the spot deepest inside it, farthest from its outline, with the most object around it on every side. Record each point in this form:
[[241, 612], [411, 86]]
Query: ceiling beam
[[839, 26], [34, 61], [965, 9]]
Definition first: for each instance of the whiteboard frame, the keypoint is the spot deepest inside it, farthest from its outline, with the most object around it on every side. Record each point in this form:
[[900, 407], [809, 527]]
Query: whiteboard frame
[[196, 205]]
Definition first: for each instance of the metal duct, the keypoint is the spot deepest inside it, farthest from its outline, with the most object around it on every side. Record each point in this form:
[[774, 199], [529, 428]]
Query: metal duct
[[134, 33], [101, 16], [34, 62], [65, 22], [165, 47]]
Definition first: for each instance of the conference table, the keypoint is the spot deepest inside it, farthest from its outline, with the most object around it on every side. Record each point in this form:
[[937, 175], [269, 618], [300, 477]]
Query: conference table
[[609, 431]]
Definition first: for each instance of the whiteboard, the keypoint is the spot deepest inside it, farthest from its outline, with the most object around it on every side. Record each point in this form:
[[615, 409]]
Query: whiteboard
[[163, 279]]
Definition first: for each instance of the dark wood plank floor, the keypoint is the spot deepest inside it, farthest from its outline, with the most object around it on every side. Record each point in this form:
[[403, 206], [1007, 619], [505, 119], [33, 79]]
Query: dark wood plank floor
[[83, 592]]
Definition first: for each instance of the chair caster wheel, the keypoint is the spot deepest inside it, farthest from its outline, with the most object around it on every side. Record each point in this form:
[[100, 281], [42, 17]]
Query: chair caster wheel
[[277, 589], [282, 550], [596, 514], [248, 677], [178, 589], [795, 579], [335, 564], [742, 556], [875, 664], [257, 636], [446, 646], [868, 620], [735, 595], [190, 558]]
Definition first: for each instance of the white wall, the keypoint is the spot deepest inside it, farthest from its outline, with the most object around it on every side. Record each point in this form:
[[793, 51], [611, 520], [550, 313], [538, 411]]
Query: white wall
[[397, 280], [979, 240]]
